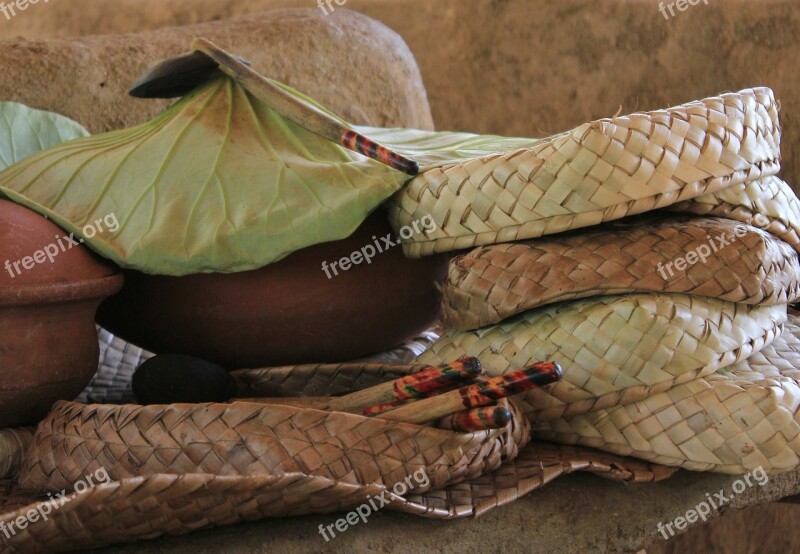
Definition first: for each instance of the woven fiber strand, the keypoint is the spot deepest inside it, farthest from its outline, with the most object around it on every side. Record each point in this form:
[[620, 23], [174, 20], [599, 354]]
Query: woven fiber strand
[[148, 507], [599, 172], [743, 417], [769, 204], [245, 438], [616, 349], [493, 283]]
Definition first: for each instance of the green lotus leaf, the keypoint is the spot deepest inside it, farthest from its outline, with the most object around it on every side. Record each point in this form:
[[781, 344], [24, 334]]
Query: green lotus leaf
[[436, 148], [25, 132], [218, 182]]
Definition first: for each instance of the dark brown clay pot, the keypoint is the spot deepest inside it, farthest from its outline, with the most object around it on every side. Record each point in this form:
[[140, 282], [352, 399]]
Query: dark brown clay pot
[[48, 341], [288, 312]]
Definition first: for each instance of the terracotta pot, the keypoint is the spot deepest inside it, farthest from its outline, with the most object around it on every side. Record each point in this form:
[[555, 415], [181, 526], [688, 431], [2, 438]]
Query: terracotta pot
[[288, 312], [48, 341]]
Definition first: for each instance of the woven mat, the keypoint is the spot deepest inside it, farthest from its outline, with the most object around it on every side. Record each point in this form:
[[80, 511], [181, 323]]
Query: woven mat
[[601, 171], [179, 468], [148, 507], [616, 349], [246, 438], [731, 261], [769, 204], [740, 418]]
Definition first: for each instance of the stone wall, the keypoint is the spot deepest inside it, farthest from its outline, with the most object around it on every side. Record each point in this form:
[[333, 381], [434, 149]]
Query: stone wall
[[528, 67], [345, 67]]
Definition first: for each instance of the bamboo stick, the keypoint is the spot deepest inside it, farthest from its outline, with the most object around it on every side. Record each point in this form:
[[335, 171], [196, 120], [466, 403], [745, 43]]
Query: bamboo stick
[[388, 395], [477, 419]]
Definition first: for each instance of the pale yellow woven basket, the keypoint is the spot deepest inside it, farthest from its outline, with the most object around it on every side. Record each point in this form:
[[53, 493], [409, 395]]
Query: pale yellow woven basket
[[743, 417], [768, 203], [616, 349], [600, 171]]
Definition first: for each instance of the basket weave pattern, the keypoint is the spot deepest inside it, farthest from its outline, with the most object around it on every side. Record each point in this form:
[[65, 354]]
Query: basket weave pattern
[[769, 203], [616, 349], [493, 283], [743, 417], [147, 507], [599, 172], [245, 438], [184, 467], [639, 369]]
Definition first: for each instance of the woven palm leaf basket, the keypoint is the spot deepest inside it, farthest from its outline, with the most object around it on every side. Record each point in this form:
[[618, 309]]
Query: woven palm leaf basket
[[680, 378], [600, 171], [177, 468], [740, 263], [655, 256], [741, 418]]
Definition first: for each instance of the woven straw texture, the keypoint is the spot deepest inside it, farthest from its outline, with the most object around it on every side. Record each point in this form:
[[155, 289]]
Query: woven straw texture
[[616, 349], [147, 507], [118, 362], [736, 262], [245, 438], [599, 172], [769, 204], [736, 420]]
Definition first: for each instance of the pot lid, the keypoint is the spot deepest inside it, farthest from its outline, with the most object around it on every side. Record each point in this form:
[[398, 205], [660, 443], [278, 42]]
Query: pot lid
[[36, 251]]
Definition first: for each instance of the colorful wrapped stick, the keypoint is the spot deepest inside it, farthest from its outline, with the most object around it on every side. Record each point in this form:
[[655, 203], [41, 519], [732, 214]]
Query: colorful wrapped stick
[[391, 394], [477, 419], [380, 408], [477, 395], [422, 384]]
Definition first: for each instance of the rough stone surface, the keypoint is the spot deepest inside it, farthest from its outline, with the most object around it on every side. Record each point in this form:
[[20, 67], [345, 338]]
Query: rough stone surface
[[577, 513], [531, 67], [754, 530], [356, 66]]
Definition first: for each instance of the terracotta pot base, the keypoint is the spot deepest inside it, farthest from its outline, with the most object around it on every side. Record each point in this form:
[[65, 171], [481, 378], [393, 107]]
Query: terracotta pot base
[[288, 312], [48, 341]]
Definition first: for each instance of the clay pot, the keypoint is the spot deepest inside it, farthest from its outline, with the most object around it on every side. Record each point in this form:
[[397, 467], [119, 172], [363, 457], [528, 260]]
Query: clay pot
[[288, 312], [48, 341]]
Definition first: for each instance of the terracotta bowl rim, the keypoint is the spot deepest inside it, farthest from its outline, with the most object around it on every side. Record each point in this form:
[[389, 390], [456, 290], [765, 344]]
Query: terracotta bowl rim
[[54, 293]]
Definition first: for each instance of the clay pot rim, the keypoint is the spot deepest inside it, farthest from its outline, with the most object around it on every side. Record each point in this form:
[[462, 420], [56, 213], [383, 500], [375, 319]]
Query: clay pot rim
[[61, 292]]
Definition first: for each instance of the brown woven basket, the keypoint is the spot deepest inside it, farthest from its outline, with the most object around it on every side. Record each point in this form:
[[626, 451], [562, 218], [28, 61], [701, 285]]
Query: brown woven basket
[[245, 438], [179, 468], [493, 283], [598, 172], [743, 417], [147, 507]]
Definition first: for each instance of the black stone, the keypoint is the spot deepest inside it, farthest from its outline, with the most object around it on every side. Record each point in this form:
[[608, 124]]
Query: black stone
[[175, 378]]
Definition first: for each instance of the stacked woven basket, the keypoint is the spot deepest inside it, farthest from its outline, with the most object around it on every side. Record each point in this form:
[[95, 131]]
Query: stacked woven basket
[[654, 256]]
